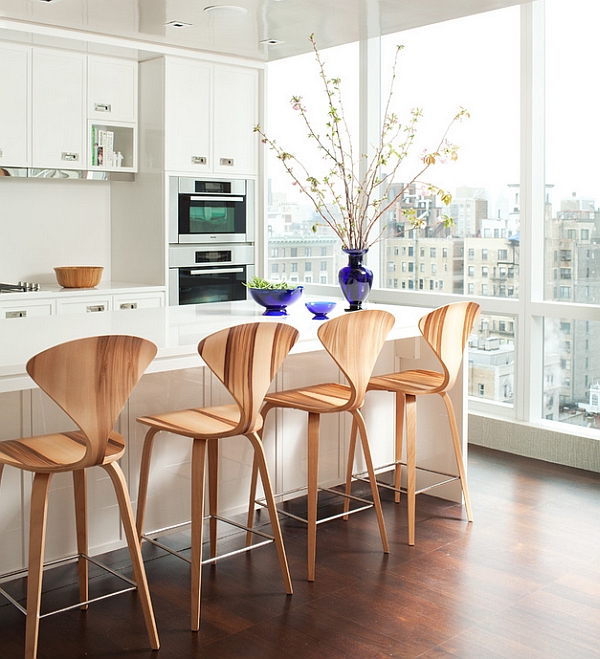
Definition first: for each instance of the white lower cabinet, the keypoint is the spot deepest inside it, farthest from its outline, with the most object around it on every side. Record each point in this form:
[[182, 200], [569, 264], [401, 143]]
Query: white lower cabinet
[[27, 309], [138, 301], [92, 304]]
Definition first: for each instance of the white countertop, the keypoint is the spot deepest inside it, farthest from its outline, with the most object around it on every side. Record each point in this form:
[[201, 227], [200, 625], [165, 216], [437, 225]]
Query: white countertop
[[175, 330], [103, 288]]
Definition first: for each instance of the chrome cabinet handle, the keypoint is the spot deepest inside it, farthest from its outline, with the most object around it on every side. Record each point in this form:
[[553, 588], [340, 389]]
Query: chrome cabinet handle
[[71, 157], [194, 198], [95, 308], [102, 107], [16, 314], [198, 160], [228, 162], [129, 305]]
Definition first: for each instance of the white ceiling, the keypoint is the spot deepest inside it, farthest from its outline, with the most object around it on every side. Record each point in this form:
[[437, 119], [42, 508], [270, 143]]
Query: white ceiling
[[289, 21]]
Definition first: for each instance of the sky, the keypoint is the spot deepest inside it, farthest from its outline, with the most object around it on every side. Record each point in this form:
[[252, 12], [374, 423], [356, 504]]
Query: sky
[[473, 63]]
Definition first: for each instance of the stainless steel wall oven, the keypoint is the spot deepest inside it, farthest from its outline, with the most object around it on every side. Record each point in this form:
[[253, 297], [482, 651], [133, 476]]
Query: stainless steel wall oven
[[210, 211], [202, 273]]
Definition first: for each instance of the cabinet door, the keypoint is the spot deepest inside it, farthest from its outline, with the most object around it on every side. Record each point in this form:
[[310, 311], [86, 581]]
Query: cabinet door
[[26, 309], [84, 305], [235, 115], [188, 105], [58, 109], [15, 110], [112, 89], [138, 301]]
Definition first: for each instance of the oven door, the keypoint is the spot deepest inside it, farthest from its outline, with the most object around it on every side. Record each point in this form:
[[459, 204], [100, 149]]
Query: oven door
[[198, 285], [207, 218]]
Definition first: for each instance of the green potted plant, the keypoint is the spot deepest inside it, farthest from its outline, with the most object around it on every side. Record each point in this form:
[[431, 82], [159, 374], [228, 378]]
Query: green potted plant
[[274, 296]]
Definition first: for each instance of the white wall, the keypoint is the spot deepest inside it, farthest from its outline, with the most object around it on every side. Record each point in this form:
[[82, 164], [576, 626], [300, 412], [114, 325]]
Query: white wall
[[48, 223]]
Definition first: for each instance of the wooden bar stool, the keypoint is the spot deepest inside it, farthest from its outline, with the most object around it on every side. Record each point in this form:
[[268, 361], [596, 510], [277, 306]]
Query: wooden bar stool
[[446, 330], [354, 341], [91, 380], [245, 358]]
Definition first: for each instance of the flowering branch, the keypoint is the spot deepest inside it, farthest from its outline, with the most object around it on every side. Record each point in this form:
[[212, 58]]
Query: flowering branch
[[361, 203]]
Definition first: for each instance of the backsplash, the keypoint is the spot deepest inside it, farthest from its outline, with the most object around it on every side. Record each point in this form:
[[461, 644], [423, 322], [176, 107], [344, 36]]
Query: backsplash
[[48, 223]]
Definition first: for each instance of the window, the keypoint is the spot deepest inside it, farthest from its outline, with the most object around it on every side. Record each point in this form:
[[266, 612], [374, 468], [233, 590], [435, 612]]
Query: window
[[323, 251], [293, 267], [274, 252], [274, 268], [432, 252], [471, 271], [308, 251], [502, 255], [307, 266], [293, 252], [484, 271], [484, 255], [323, 265]]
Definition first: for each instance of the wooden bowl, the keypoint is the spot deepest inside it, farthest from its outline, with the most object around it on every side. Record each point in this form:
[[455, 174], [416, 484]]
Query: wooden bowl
[[79, 276]]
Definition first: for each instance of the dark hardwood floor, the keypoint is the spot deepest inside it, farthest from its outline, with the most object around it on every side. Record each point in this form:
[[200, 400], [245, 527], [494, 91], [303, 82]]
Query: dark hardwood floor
[[521, 582]]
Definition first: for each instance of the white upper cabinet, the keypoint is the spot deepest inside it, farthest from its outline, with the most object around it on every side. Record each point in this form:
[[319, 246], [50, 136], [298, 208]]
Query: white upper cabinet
[[15, 83], [59, 121], [112, 89], [235, 106], [188, 112], [210, 113]]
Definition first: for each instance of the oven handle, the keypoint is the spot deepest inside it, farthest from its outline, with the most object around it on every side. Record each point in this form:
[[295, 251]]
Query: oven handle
[[216, 271], [194, 198]]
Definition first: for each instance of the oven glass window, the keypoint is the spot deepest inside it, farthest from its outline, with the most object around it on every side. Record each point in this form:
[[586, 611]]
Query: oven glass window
[[198, 286], [207, 217]]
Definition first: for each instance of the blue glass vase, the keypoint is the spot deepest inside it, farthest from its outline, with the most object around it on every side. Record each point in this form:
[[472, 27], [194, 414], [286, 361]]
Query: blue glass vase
[[355, 279]]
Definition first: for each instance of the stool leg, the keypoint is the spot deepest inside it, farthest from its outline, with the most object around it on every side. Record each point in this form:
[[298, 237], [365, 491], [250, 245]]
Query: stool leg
[[198, 481], [458, 453], [81, 523], [254, 478], [261, 463], [213, 500], [411, 463], [360, 423], [313, 483], [139, 573], [143, 486], [37, 537], [400, 405], [350, 466]]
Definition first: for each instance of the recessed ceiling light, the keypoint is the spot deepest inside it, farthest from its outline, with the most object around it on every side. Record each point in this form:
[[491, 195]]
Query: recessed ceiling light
[[225, 10], [178, 24], [270, 42]]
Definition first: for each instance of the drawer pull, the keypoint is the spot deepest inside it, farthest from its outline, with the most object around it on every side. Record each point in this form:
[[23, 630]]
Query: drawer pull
[[71, 157], [198, 160], [227, 162], [16, 314], [94, 308], [128, 305], [102, 107]]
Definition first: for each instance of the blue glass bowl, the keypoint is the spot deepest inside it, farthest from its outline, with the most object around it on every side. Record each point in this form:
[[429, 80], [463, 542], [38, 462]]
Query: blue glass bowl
[[275, 300], [320, 308]]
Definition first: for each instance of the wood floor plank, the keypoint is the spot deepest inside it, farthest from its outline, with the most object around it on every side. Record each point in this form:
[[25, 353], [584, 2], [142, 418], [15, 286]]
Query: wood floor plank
[[521, 582]]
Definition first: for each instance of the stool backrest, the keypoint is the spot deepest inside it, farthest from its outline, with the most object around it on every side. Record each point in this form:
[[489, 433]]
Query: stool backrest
[[447, 330], [354, 341], [91, 380], [246, 358]]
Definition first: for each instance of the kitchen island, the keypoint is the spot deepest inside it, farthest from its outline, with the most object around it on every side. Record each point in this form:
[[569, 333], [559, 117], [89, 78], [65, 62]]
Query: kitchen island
[[178, 379]]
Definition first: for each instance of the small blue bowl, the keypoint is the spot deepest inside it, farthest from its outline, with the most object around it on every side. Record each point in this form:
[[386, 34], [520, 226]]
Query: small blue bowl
[[320, 308], [275, 300]]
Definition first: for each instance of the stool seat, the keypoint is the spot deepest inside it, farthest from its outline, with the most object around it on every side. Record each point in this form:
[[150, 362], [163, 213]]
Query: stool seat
[[213, 422], [55, 452], [319, 398], [416, 383]]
